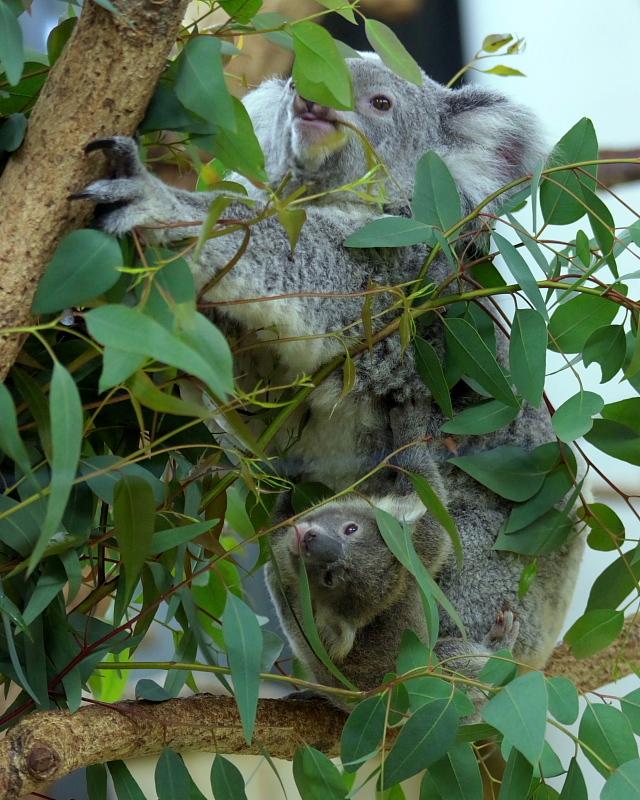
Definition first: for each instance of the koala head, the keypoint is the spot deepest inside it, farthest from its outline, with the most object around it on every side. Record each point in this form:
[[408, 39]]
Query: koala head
[[486, 139], [350, 568]]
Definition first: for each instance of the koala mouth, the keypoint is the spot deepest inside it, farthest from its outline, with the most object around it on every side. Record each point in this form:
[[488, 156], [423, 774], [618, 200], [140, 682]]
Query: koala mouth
[[315, 121]]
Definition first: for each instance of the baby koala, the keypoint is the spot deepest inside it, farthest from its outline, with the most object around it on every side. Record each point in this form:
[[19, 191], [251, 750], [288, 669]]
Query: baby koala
[[364, 598]]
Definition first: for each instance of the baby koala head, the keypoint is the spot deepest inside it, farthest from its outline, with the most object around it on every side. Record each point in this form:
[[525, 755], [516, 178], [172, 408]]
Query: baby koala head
[[349, 566]]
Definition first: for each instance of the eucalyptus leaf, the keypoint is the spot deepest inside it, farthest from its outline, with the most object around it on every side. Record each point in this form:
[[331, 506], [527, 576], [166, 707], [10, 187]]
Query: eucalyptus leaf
[[606, 737]]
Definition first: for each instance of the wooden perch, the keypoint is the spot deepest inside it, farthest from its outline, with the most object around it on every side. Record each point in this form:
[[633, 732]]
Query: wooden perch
[[46, 746], [100, 86]]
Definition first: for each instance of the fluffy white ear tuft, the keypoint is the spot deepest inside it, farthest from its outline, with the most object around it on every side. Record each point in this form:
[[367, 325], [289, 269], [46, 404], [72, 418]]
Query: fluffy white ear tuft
[[407, 507], [494, 141]]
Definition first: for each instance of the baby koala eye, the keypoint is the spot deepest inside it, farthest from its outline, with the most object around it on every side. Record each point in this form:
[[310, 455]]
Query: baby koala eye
[[292, 85], [351, 528], [381, 103]]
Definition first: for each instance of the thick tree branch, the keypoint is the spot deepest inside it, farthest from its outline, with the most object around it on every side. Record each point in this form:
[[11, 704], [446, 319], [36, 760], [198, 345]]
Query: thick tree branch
[[100, 86], [48, 745]]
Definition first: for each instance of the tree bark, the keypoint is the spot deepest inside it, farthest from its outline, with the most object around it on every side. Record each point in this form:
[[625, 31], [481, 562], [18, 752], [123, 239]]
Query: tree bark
[[46, 746], [100, 86]]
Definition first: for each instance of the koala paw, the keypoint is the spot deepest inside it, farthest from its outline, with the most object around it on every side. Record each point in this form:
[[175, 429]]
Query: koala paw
[[124, 198], [504, 631]]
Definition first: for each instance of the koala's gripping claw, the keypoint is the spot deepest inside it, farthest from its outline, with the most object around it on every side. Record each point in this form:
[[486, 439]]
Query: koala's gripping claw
[[504, 631]]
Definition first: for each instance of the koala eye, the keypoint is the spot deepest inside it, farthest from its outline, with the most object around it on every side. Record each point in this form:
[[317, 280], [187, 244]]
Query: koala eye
[[292, 86], [351, 528], [381, 103]]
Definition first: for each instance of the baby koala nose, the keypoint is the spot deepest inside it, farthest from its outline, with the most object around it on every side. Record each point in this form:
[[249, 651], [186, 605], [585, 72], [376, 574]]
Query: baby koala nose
[[319, 547]]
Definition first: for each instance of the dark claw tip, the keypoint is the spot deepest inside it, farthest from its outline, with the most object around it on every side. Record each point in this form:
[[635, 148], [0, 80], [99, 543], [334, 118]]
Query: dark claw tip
[[100, 144], [79, 196]]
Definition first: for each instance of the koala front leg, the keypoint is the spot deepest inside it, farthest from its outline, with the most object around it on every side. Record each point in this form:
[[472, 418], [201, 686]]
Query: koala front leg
[[133, 197]]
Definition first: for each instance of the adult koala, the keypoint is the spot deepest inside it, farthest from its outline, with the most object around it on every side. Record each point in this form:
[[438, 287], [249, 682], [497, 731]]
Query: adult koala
[[487, 141]]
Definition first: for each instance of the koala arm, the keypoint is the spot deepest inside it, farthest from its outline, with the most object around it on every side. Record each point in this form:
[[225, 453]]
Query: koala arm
[[321, 265]]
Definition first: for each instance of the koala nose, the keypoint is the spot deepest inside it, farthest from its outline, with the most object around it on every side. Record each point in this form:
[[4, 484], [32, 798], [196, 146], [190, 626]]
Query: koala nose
[[319, 547]]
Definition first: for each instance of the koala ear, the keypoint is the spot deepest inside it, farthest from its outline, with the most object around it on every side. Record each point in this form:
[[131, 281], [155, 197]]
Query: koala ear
[[407, 507], [492, 141]]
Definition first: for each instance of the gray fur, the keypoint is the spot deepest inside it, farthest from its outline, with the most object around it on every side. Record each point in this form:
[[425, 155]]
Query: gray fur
[[487, 141]]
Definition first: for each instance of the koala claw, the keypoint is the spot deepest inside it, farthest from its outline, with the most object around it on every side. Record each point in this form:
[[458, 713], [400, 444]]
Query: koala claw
[[101, 144], [504, 631]]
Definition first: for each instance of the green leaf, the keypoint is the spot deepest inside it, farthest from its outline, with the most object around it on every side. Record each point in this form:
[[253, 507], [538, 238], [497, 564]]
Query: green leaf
[[11, 48], [147, 689], [113, 325], [506, 470], [615, 584], [242, 11], [424, 739], [363, 732], [556, 485], [320, 73], [528, 354], [243, 640], [436, 200], [391, 232], [548, 533], [626, 412], [51, 581], [499, 669], [522, 273], [615, 439], [239, 149], [594, 631], [484, 418], [200, 84], [316, 777], [624, 783], [66, 440], [478, 361], [117, 366], [519, 711], [606, 736], [398, 539], [607, 347], [558, 205], [113, 470], [504, 71], [341, 8], [96, 777], [148, 394], [171, 776], [630, 706], [457, 775], [602, 224], [10, 442], [125, 786], [12, 131], [392, 52], [517, 777], [58, 38], [574, 787], [172, 537], [574, 417], [430, 370], [438, 510], [573, 322], [134, 513], [563, 699], [607, 529], [227, 782]]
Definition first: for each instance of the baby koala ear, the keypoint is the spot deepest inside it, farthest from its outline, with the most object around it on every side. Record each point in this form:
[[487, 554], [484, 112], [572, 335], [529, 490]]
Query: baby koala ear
[[408, 508], [492, 141]]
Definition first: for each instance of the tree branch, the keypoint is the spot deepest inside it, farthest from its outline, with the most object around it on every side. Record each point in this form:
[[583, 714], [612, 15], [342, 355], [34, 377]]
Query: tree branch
[[46, 746], [100, 86]]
